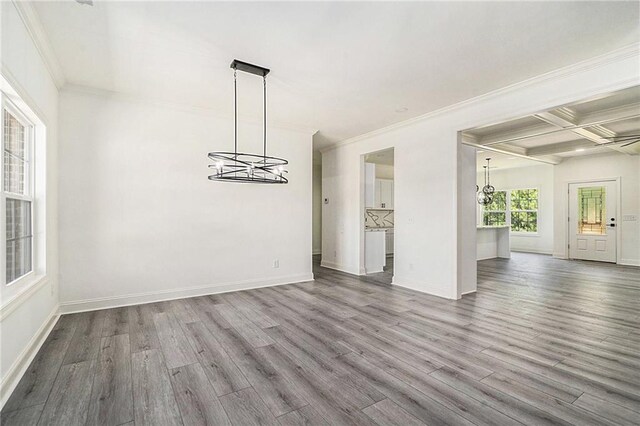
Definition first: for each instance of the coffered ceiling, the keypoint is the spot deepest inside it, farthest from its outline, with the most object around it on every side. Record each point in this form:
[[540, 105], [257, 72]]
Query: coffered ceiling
[[592, 126], [343, 68]]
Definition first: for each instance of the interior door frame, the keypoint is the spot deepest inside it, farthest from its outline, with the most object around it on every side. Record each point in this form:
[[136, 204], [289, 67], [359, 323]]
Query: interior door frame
[[618, 211]]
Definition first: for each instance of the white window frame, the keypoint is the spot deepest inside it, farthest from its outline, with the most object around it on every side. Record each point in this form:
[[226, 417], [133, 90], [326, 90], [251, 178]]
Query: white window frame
[[29, 195], [508, 212], [522, 233]]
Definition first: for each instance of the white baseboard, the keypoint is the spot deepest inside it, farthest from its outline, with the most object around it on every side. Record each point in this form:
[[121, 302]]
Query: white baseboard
[[468, 292], [159, 296], [19, 367], [629, 262], [339, 267], [536, 251], [417, 287]]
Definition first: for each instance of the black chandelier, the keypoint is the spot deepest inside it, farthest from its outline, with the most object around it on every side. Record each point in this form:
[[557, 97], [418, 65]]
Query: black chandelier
[[485, 195], [242, 167]]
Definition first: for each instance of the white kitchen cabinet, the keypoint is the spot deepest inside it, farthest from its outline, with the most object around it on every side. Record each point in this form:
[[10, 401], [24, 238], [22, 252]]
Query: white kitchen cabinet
[[370, 185], [389, 241], [384, 194]]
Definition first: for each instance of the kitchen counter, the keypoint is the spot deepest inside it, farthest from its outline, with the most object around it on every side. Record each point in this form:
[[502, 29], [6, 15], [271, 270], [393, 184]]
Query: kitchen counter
[[492, 242]]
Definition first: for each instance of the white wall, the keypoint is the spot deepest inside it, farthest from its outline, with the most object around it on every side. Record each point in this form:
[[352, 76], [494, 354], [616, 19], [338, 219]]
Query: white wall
[[140, 221], [431, 241], [317, 208], [613, 165], [27, 311], [538, 176]]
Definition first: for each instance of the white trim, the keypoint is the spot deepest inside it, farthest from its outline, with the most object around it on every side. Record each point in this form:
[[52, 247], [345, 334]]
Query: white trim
[[36, 31], [415, 286], [29, 289], [629, 51], [178, 293], [469, 292], [533, 250], [20, 365], [629, 262], [339, 267]]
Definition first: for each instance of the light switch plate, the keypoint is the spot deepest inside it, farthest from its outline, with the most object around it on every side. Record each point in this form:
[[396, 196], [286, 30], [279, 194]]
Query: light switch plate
[[629, 217]]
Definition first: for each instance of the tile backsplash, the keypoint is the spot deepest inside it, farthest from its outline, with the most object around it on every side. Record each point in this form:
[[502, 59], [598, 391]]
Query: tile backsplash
[[378, 218]]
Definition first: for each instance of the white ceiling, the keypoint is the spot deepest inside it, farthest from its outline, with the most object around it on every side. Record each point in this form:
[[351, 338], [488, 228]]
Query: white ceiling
[[343, 68]]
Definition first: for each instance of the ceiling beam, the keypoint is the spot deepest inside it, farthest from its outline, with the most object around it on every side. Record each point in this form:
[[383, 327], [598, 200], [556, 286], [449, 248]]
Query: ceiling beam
[[564, 118], [550, 160], [549, 132], [558, 148]]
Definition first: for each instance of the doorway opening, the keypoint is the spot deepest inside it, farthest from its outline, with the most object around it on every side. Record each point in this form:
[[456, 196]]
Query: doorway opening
[[561, 184], [379, 215]]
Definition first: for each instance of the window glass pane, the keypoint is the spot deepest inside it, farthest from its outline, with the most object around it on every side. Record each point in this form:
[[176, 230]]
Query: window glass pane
[[18, 258], [499, 202], [494, 218], [591, 210], [19, 239], [15, 166], [18, 218], [14, 136], [14, 174], [524, 199], [524, 221]]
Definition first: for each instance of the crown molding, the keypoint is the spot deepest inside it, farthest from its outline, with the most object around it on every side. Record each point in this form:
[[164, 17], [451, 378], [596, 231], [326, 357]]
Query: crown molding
[[178, 106], [34, 27], [629, 51]]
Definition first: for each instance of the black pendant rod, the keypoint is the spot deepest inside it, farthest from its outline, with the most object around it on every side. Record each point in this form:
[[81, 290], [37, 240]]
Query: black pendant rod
[[264, 130], [235, 111]]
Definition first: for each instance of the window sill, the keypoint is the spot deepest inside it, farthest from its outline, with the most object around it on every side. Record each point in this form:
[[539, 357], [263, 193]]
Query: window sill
[[31, 283], [525, 234]]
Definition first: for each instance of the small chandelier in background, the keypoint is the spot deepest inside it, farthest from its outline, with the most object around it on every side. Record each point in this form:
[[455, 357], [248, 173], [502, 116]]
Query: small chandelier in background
[[242, 167], [485, 195]]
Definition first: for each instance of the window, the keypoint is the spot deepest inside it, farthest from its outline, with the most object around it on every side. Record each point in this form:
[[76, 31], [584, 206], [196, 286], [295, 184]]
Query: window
[[495, 213], [517, 209], [524, 210], [17, 192]]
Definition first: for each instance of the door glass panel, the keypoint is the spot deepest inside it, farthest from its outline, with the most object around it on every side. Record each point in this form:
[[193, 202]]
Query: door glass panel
[[591, 210]]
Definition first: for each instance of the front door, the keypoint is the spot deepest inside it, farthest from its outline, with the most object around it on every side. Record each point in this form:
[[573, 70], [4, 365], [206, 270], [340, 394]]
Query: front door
[[593, 221]]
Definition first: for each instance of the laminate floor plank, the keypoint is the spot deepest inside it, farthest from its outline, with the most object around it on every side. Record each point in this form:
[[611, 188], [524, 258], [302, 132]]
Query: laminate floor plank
[[387, 413], [615, 413], [85, 343], [154, 401], [223, 373], [174, 343], [305, 416], [68, 403], [116, 322], [279, 394], [28, 416], [542, 341], [142, 331], [112, 395], [245, 407], [196, 398], [247, 329]]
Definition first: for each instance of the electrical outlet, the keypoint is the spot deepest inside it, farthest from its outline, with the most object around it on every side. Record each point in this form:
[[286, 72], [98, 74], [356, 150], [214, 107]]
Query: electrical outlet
[[276, 263]]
